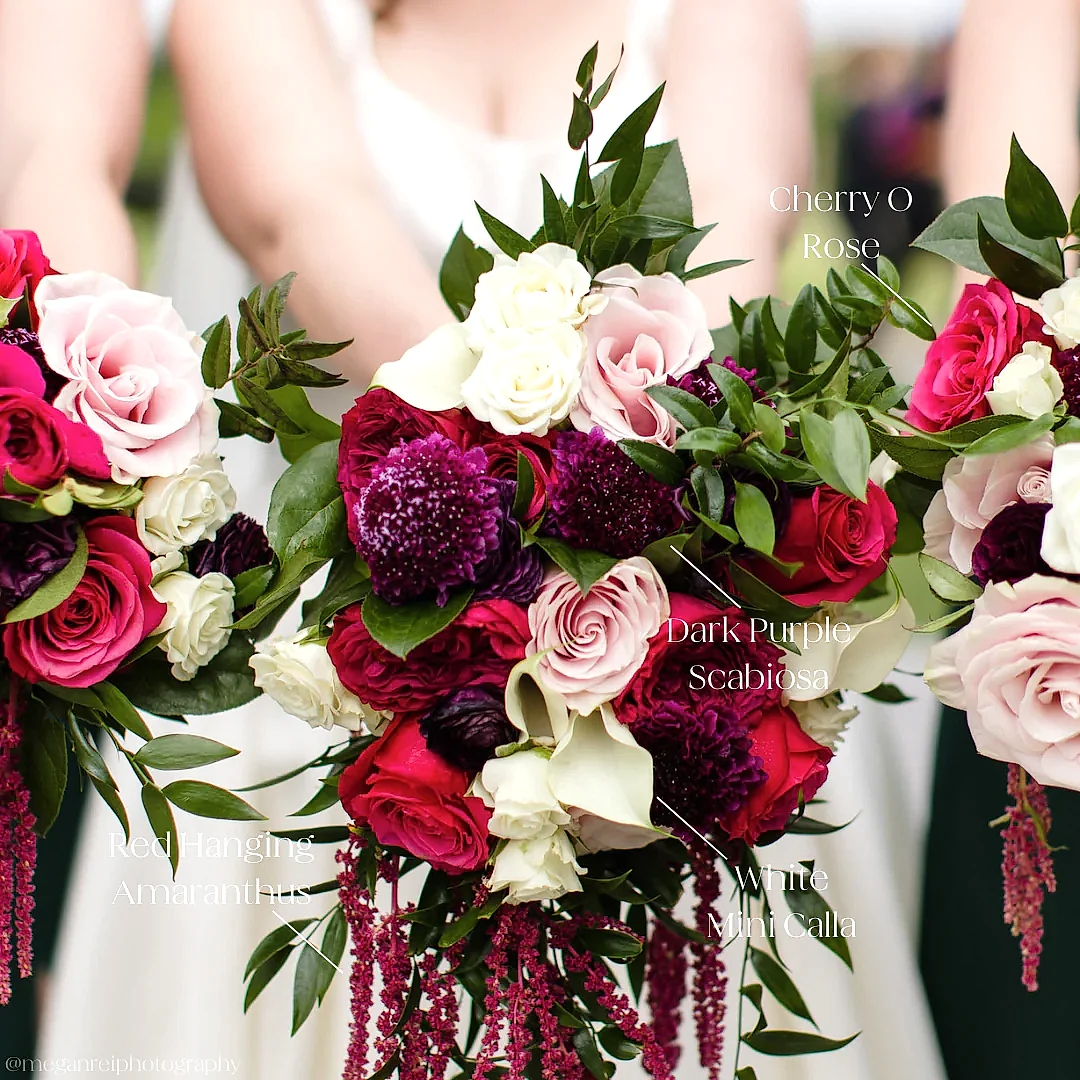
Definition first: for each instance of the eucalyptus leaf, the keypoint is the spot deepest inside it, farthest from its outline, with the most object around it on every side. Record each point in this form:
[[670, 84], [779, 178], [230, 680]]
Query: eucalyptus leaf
[[217, 354], [793, 1043], [947, 582], [160, 815], [182, 751], [206, 800], [779, 983]]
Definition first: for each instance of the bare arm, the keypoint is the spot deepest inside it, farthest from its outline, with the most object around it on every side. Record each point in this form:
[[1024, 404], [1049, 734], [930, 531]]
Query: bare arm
[[285, 176], [739, 95], [72, 82], [1015, 68]]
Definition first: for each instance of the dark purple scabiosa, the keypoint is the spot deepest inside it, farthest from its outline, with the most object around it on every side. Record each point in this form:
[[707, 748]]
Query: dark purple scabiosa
[[27, 340], [1009, 547], [1068, 367], [240, 544], [512, 572], [702, 385], [601, 500], [466, 727], [30, 554], [429, 520]]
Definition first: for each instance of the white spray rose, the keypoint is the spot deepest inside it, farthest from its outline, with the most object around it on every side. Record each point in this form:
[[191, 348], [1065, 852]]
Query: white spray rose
[[178, 511], [824, 719], [1061, 530], [1028, 385], [301, 678], [517, 790], [526, 382], [196, 625], [1061, 312], [540, 869]]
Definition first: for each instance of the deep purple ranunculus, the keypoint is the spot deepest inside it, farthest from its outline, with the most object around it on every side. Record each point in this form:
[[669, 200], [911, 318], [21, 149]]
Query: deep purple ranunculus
[[1009, 547], [30, 554], [467, 726], [1068, 367], [240, 544]]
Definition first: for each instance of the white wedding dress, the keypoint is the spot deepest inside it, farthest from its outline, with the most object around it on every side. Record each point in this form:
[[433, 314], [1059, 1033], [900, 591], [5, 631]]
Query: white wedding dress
[[163, 981]]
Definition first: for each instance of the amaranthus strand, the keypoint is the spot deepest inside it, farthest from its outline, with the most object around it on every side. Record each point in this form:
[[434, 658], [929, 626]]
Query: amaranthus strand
[[360, 916], [710, 978], [1027, 867], [665, 980]]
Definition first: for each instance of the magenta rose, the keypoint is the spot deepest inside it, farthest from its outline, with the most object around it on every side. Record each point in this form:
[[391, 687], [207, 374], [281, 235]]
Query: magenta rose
[[39, 445], [22, 262], [412, 799], [987, 329], [20, 370], [112, 610], [842, 544], [478, 648]]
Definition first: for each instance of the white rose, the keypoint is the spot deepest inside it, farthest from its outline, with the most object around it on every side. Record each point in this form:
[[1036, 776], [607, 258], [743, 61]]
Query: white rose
[[882, 470], [539, 869], [1061, 530], [526, 382], [1028, 385], [134, 373], [538, 290], [824, 719], [196, 625], [178, 511], [429, 375], [1061, 312], [516, 788], [301, 678]]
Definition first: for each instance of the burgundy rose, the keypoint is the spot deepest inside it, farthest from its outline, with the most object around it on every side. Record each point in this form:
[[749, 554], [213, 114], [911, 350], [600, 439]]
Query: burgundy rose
[[112, 610], [412, 799], [502, 452], [38, 444], [987, 329], [479, 647], [30, 554], [1008, 549], [22, 262], [842, 544]]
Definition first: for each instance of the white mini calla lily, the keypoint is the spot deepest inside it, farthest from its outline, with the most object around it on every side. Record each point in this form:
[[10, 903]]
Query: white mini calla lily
[[869, 651], [429, 375], [534, 709]]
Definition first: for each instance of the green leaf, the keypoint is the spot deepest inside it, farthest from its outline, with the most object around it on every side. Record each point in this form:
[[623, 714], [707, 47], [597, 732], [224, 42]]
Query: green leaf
[[307, 509], [652, 227], [260, 399], [507, 239], [712, 440], [554, 224], [746, 1074], [605, 86], [760, 596], [655, 460], [804, 826], [708, 269], [812, 905], [235, 420], [740, 400], [613, 944], [251, 584], [1019, 272], [111, 798], [779, 983], [632, 131], [946, 582], [581, 123], [279, 938], [912, 453], [334, 940], [617, 1044], [399, 628], [754, 518], [888, 694], [768, 422], [626, 175], [323, 799], [43, 761], [217, 354], [465, 923], [461, 268], [586, 67], [205, 800], [943, 623], [818, 440], [162, 822], [800, 338], [526, 486], [306, 981], [260, 979], [1010, 437], [86, 753], [851, 446], [56, 589], [793, 1043], [585, 1046], [172, 752], [1030, 199], [1068, 432], [908, 315], [585, 567], [121, 710]]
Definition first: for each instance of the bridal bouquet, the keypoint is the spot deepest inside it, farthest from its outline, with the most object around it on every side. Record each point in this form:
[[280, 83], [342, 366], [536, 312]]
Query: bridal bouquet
[[993, 435], [598, 578], [122, 563]]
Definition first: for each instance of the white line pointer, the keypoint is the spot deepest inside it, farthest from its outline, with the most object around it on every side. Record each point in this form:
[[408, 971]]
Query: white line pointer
[[307, 941], [722, 592], [691, 828], [918, 314]]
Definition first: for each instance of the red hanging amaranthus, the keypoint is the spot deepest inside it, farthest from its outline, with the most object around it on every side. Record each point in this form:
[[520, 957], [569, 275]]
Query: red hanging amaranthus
[[1027, 868], [665, 981], [710, 977], [18, 851]]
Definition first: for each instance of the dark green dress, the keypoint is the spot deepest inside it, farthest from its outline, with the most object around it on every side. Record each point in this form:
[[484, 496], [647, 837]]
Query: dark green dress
[[990, 1027]]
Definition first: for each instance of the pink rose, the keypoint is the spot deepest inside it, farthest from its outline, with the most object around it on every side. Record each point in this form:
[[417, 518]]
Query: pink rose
[[134, 370], [22, 262], [597, 641], [1015, 669], [975, 490], [112, 610], [987, 329], [650, 328], [20, 370]]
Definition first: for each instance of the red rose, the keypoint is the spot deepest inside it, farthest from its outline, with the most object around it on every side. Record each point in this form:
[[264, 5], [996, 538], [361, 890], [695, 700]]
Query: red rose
[[112, 610], [377, 423], [20, 370], [411, 798], [479, 647], [502, 452], [843, 545], [987, 329], [38, 444], [795, 766], [22, 262]]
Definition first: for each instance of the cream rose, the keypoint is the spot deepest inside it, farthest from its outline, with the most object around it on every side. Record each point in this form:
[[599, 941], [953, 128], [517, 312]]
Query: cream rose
[[825, 719], [1015, 669], [1061, 312], [590, 646], [134, 373], [1028, 385], [526, 382], [1061, 530], [178, 511], [300, 677], [540, 869], [429, 375], [197, 623], [517, 790]]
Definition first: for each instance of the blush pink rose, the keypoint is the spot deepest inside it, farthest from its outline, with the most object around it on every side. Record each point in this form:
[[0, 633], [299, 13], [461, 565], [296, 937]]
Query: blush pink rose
[[650, 328], [134, 373], [112, 610], [597, 641], [1015, 669], [22, 262], [975, 490]]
